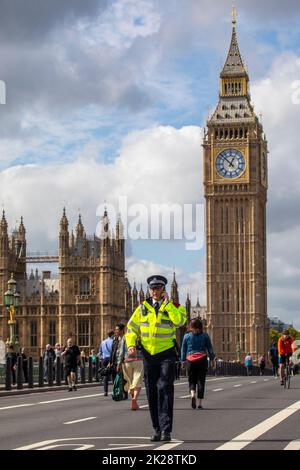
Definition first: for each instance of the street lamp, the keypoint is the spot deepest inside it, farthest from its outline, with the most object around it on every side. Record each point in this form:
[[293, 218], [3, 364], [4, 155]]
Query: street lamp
[[11, 302]]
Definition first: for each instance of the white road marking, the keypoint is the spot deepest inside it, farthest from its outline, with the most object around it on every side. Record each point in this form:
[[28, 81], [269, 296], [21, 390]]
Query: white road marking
[[126, 446], [169, 445], [82, 446], [143, 406], [238, 385], [38, 445], [244, 439], [293, 445], [68, 399], [186, 396], [218, 389], [80, 420], [254, 382], [266, 380], [17, 406]]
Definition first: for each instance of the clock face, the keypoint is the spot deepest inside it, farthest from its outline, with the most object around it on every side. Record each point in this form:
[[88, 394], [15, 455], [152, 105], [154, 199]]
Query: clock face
[[230, 163]]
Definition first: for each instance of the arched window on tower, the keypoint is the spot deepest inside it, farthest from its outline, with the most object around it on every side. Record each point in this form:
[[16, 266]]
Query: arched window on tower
[[84, 286]]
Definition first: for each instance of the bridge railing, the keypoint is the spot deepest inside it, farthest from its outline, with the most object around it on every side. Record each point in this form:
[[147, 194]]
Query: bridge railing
[[40, 374]]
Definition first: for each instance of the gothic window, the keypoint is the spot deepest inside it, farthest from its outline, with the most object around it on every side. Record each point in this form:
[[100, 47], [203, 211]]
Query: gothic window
[[227, 259], [223, 299], [242, 259], [238, 299], [228, 340], [222, 220], [223, 340], [84, 286], [228, 299], [52, 310], [222, 259], [52, 332], [243, 299], [83, 332], [231, 134], [33, 334], [243, 342], [227, 220], [242, 218]]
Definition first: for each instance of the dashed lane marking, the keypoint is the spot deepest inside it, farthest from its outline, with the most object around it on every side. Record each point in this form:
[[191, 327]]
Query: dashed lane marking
[[238, 385], [218, 389], [244, 439], [81, 420]]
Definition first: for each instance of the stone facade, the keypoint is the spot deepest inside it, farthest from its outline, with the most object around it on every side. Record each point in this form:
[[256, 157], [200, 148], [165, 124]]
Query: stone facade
[[90, 295], [235, 184]]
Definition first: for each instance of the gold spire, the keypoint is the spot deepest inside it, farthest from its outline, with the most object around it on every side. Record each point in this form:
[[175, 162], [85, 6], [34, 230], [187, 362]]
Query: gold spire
[[233, 15]]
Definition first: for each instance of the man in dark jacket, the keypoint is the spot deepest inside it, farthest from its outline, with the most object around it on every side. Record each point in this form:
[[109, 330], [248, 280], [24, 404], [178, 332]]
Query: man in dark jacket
[[13, 362]]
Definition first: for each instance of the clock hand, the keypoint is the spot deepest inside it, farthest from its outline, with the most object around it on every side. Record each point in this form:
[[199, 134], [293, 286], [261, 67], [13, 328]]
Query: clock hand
[[230, 163]]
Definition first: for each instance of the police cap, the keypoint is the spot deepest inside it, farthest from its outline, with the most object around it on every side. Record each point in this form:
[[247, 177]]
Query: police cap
[[157, 280]]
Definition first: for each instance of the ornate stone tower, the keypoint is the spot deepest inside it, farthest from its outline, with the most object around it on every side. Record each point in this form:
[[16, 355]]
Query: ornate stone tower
[[235, 184]]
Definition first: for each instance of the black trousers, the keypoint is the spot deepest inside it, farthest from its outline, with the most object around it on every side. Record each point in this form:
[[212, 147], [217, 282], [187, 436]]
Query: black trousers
[[159, 382], [197, 373]]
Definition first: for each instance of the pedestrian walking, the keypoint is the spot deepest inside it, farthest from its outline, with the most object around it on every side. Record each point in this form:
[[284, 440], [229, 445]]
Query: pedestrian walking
[[93, 357], [71, 355], [113, 362], [249, 364], [195, 350], [48, 353], [13, 362], [131, 366], [155, 322], [262, 364], [105, 351], [24, 365], [273, 355]]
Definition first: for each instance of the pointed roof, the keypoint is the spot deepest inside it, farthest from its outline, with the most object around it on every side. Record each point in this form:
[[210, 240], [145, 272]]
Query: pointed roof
[[79, 226], [22, 230], [234, 65], [64, 221], [3, 224], [174, 289]]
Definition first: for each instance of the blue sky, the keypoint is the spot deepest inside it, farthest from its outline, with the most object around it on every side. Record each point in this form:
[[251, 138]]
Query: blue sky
[[109, 98]]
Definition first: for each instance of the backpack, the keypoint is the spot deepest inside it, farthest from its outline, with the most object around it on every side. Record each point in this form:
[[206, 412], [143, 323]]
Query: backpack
[[117, 391]]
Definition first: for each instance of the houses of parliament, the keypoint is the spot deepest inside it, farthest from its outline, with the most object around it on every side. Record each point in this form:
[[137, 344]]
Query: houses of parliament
[[88, 298]]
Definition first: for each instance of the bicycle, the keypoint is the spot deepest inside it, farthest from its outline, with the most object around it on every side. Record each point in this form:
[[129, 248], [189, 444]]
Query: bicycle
[[287, 373]]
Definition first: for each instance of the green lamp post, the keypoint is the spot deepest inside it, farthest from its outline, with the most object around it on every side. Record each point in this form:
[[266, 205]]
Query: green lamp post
[[11, 302]]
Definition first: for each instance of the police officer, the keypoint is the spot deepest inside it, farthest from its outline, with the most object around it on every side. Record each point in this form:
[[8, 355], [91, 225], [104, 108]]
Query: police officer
[[155, 322]]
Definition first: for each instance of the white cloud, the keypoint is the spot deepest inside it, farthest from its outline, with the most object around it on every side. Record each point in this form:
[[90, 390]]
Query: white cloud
[[148, 169], [121, 24]]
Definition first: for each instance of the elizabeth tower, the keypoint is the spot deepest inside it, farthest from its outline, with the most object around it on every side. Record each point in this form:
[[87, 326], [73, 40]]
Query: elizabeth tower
[[235, 182]]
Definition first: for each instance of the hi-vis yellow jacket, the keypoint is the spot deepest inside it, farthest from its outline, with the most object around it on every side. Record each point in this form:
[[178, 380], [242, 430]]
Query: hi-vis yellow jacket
[[156, 331]]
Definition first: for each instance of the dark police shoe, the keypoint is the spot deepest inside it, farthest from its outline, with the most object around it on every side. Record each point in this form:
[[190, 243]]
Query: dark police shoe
[[166, 436], [156, 436]]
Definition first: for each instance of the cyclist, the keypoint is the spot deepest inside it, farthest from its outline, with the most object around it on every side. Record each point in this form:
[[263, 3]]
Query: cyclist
[[285, 351]]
